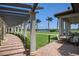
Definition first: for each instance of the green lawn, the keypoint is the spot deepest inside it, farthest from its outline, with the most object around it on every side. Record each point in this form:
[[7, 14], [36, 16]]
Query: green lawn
[[42, 38]]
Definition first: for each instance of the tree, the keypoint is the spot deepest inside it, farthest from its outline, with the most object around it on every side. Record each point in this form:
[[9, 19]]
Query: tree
[[37, 21], [49, 19], [78, 26], [57, 25]]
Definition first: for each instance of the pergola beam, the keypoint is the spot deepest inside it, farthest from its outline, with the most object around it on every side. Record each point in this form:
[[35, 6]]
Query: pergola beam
[[34, 7], [21, 5], [13, 13], [14, 9]]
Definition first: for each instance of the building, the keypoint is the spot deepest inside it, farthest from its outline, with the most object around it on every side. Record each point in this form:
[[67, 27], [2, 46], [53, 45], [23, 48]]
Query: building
[[65, 19]]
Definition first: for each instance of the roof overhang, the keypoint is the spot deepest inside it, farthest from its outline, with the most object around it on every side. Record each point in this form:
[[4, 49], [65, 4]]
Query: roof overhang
[[64, 13], [71, 16]]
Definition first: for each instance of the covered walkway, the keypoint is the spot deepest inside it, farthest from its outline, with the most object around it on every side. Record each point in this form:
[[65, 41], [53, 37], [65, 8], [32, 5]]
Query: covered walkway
[[16, 17], [57, 49], [12, 45]]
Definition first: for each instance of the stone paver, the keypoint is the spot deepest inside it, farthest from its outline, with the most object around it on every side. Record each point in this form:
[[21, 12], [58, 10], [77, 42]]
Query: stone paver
[[12, 46], [57, 49]]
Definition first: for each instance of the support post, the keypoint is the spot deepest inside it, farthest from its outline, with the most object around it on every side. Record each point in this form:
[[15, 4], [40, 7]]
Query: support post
[[61, 27], [21, 31], [15, 29], [2, 31], [8, 29], [11, 29], [25, 39], [32, 33], [67, 28]]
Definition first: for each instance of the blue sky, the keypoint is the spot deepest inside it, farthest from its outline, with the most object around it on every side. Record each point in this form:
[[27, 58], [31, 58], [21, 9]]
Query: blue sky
[[49, 10]]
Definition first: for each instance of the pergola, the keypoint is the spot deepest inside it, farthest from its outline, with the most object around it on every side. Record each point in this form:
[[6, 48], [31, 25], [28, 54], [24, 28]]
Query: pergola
[[18, 15], [66, 18]]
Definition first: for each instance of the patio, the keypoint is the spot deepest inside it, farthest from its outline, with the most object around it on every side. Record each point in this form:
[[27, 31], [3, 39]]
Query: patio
[[57, 49], [15, 19], [11, 46]]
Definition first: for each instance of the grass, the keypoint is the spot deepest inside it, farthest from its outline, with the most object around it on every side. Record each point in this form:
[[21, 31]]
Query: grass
[[42, 38]]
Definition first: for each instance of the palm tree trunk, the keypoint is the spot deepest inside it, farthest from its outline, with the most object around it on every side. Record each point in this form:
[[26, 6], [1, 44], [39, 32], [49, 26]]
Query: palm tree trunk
[[57, 25], [48, 26], [37, 27], [78, 26]]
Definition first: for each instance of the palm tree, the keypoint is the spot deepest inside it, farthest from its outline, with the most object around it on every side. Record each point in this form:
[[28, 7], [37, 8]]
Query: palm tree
[[49, 19], [78, 26], [37, 21], [57, 25]]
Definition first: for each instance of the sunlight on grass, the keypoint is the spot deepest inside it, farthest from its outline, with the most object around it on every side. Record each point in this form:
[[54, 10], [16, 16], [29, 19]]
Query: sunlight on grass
[[42, 38]]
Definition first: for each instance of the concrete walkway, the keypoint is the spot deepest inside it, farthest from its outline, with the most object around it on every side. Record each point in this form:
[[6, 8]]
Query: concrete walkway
[[12, 46], [57, 49]]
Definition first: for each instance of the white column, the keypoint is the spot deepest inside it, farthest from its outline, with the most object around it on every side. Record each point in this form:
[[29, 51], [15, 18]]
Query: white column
[[3, 33], [61, 27], [24, 33], [15, 29], [67, 28], [11, 29], [18, 29], [32, 33], [21, 28], [4, 30], [8, 29], [21, 31]]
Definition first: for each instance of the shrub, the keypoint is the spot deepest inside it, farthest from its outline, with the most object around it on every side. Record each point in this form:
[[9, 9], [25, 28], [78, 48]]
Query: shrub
[[22, 39], [53, 30]]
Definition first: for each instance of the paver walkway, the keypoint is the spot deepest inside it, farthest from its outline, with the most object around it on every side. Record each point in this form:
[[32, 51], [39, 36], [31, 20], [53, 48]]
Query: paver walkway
[[57, 49], [12, 46]]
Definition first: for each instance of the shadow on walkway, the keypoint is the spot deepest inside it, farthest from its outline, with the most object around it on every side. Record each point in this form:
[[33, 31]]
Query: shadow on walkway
[[58, 49], [68, 49], [12, 46]]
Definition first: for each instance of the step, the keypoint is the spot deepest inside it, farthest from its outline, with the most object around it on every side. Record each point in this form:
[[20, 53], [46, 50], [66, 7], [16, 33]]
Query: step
[[6, 46], [18, 54], [11, 48], [12, 43], [12, 52]]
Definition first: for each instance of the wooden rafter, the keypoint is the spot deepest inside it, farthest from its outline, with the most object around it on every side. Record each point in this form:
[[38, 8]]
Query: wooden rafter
[[21, 5]]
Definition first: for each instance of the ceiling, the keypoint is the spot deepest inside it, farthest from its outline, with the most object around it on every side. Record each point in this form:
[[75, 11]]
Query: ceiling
[[14, 14]]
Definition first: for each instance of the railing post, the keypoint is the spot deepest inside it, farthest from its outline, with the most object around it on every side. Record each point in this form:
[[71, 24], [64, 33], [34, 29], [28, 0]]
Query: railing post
[[48, 38]]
